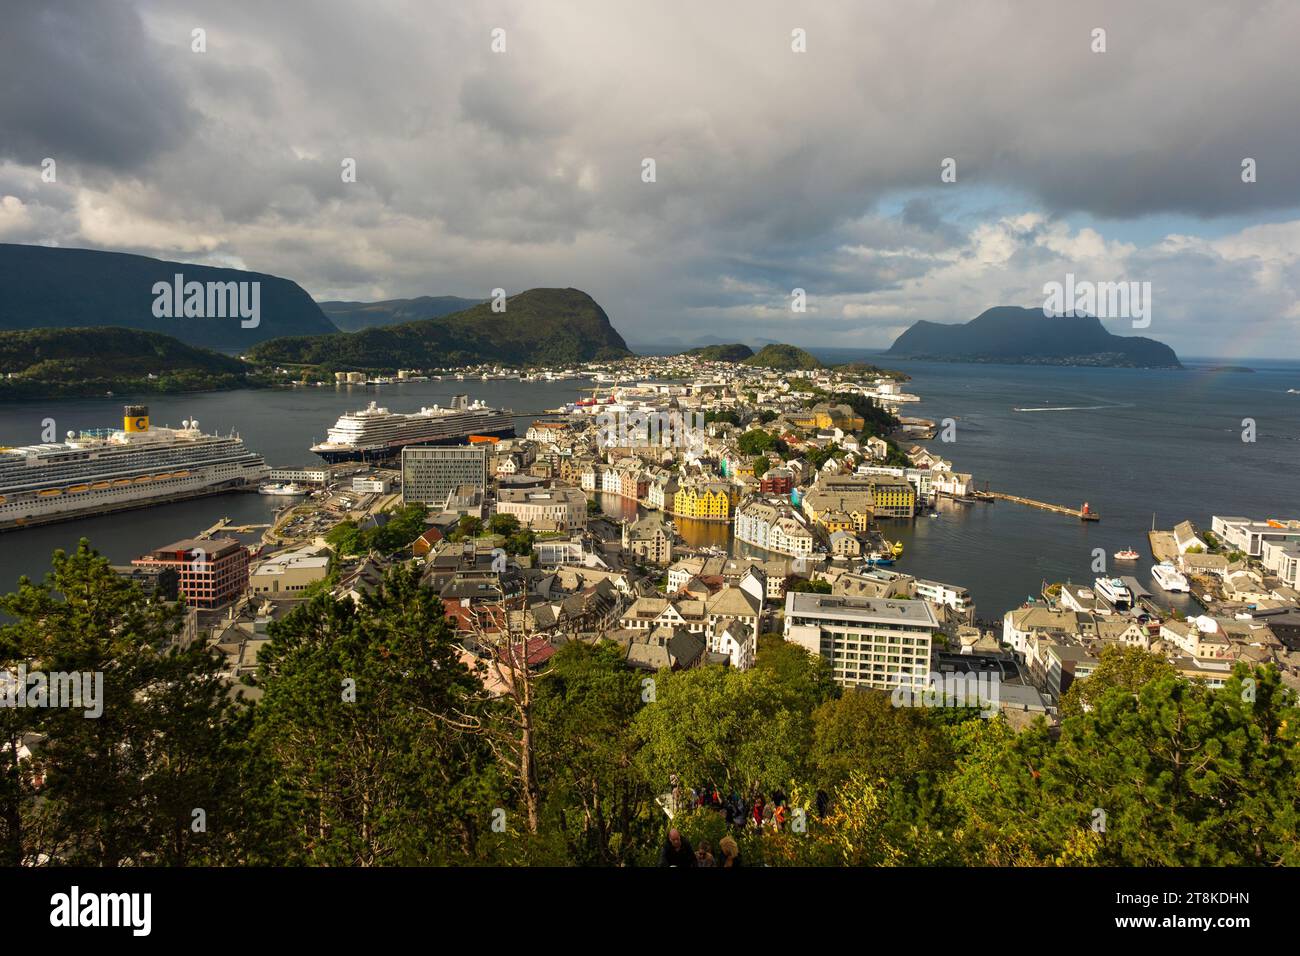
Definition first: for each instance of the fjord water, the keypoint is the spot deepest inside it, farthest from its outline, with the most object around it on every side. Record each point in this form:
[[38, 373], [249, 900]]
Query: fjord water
[[1129, 442]]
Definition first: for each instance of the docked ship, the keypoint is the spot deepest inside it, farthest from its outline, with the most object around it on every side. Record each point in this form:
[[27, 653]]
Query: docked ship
[[376, 434], [284, 489], [104, 469], [1170, 578], [1115, 591]]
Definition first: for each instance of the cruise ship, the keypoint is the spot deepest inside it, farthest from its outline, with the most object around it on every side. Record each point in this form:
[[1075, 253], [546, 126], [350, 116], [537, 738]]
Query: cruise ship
[[376, 434], [102, 470], [1170, 578]]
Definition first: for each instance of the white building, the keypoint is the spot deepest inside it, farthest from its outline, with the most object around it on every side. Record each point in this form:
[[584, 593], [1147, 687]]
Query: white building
[[559, 508], [869, 642], [949, 595], [1247, 535]]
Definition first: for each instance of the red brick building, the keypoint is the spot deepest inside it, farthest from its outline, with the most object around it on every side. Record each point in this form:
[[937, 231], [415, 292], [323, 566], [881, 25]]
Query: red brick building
[[212, 572], [777, 481]]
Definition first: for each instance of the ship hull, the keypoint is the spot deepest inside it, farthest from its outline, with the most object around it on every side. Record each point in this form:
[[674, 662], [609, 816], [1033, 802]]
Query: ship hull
[[392, 452], [98, 508]]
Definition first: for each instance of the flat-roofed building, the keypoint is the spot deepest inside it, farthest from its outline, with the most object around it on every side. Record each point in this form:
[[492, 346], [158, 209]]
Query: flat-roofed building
[[213, 571], [1248, 535], [289, 572], [870, 642], [560, 509], [431, 472]]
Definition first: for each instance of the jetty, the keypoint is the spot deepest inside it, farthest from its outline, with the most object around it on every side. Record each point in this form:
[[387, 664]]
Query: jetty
[[1083, 514], [225, 525]]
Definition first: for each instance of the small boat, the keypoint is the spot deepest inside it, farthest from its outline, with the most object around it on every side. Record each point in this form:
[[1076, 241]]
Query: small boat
[[78, 489], [101, 485], [49, 492], [289, 490], [1128, 554], [122, 481]]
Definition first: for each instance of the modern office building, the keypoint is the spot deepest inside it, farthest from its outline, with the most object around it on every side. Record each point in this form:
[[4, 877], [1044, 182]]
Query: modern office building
[[213, 571], [870, 642], [432, 472]]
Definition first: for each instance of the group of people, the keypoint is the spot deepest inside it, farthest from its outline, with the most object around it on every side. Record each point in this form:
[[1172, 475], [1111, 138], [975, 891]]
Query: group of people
[[770, 813], [677, 852]]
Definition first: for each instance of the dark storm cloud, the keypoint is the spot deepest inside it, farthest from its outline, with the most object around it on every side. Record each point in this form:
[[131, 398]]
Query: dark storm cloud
[[775, 170], [79, 81]]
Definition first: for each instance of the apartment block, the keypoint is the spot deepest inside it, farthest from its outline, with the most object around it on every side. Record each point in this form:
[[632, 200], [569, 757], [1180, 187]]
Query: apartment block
[[869, 642]]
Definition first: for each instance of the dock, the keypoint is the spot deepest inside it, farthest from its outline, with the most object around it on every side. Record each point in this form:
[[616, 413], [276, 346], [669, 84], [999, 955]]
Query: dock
[[225, 525], [1079, 513], [1163, 546]]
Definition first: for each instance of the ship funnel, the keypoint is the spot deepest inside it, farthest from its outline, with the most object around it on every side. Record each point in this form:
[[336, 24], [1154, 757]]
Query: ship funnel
[[135, 418]]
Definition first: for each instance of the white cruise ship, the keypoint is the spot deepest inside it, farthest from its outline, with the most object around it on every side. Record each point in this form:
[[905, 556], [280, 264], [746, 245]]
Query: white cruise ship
[[105, 470], [1170, 578], [376, 434]]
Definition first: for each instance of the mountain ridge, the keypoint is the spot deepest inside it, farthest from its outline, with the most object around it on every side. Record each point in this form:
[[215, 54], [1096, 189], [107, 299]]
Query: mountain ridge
[[538, 326], [1015, 335], [45, 287]]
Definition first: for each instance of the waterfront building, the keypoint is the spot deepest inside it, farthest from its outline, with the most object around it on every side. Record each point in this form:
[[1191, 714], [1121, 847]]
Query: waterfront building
[[869, 642], [213, 572], [431, 472], [1283, 559], [948, 595], [770, 523], [845, 544], [661, 491], [846, 510], [1248, 536], [559, 509], [299, 476], [705, 500], [649, 539], [891, 498]]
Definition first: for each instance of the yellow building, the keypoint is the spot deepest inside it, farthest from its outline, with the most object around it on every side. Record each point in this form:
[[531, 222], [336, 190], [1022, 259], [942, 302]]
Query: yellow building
[[824, 416], [893, 499], [711, 501], [834, 511]]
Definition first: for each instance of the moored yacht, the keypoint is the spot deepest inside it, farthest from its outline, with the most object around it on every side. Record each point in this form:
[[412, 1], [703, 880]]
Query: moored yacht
[[1170, 578], [1115, 591]]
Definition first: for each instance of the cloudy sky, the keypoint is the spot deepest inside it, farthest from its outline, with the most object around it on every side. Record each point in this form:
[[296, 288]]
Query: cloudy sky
[[774, 169]]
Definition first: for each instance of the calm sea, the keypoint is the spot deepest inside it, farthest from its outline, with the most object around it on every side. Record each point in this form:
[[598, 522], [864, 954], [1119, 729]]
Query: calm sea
[[1131, 443]]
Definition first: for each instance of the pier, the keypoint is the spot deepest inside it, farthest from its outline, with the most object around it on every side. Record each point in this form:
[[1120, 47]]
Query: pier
[[225, 525], [1079, 513]]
